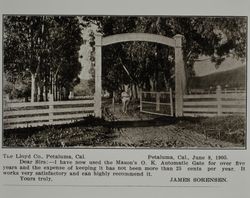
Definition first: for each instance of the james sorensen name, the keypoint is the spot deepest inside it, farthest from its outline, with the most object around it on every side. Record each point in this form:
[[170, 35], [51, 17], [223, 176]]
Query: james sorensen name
[[198, 179]]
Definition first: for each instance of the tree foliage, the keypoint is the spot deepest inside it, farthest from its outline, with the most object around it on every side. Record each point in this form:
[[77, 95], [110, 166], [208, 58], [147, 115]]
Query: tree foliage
[[152, 65], [44, 50]]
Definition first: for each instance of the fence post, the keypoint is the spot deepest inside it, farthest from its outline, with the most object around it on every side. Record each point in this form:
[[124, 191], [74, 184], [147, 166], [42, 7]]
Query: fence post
[[218, 97], [171, 101], [51, 108], [180, 76], [158, 95], [98, 76]]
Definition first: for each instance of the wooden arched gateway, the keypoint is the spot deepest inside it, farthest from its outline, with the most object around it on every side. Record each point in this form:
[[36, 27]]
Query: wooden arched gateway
[[175, 42]]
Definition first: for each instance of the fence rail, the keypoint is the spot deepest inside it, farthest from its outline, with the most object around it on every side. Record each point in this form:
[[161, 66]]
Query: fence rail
[[217, 104], [213, 91], [32, 114]]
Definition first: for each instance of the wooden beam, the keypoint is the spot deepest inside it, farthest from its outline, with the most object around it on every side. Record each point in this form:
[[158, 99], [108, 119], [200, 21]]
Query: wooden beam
[[180, 76], [118, 38]]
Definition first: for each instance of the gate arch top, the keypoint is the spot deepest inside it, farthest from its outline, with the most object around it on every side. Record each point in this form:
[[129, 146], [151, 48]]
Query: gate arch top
[[117, 38]]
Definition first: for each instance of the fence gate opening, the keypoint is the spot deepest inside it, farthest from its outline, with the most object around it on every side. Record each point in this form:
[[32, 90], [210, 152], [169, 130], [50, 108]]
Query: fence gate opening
[[180, 75], [158, 103]]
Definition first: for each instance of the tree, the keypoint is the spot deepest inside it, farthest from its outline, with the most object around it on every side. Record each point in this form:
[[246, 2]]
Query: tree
[[45, 47], [152, 65], [91, 81]]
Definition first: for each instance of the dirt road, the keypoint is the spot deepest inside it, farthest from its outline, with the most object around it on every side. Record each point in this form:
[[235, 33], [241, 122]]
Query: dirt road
[[166, 136], [170, 135]]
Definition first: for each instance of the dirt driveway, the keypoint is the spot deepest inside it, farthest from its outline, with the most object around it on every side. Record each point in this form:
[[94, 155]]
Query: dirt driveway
[[169, 135], [166, 136]]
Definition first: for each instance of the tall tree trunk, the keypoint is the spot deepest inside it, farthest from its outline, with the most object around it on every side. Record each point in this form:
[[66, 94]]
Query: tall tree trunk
[[61, 93], [151, 84], [56, 84], [53, 89], [41, 89], [33, 88], [46, 92], [38, 92], [136, 91]]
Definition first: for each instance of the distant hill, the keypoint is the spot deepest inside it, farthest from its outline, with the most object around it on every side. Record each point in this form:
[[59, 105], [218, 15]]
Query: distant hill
[[234, 78]]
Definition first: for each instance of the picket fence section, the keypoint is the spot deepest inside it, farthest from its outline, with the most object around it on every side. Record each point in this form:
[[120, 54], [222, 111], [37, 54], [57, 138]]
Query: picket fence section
[[33, 114], [217, 104]]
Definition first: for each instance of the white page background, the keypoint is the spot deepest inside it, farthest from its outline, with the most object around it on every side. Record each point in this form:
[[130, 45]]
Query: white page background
[[238, 186]]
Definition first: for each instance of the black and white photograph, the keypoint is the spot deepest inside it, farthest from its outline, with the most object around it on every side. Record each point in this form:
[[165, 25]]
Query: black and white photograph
[[124, 81]]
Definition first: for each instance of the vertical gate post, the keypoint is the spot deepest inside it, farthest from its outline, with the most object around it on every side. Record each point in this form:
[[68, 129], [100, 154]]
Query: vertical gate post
[[180, 76], [98, 75]]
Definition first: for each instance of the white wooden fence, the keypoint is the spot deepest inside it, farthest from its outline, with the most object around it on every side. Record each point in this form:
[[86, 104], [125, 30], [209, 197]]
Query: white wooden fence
[[220, 103], [158, 103], [32, 114]]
